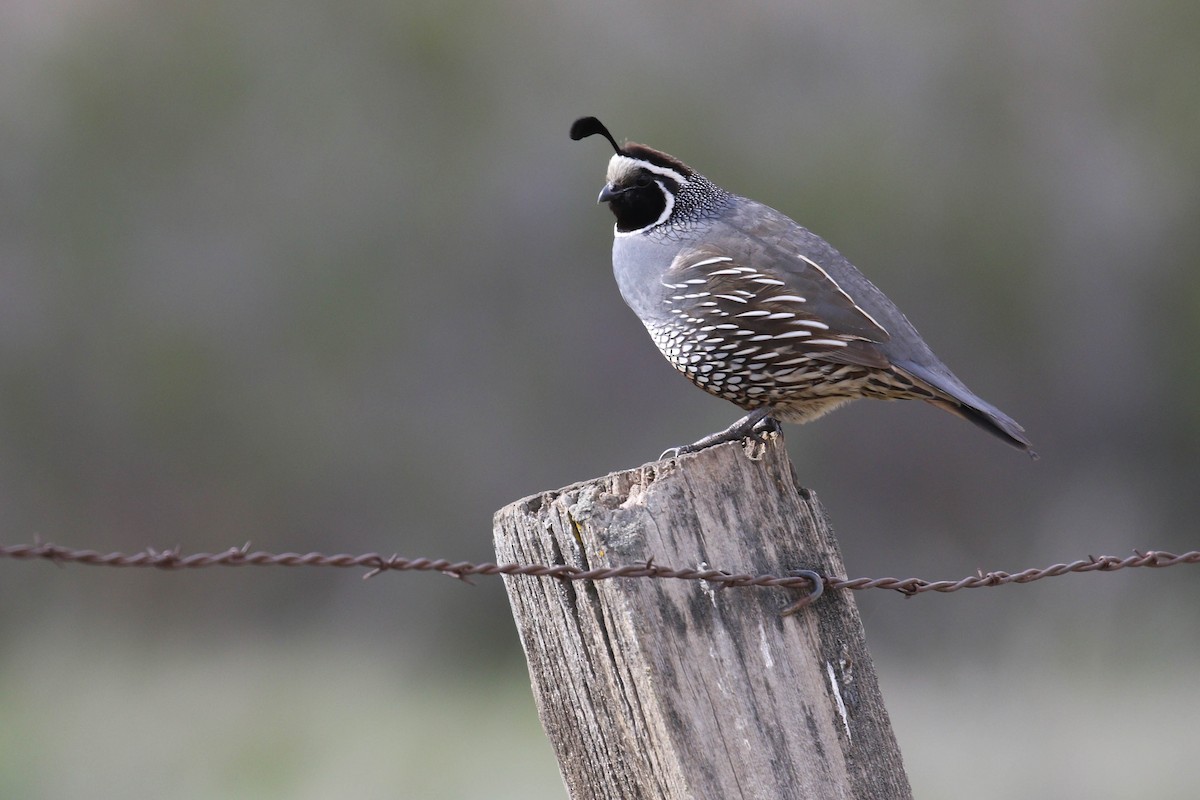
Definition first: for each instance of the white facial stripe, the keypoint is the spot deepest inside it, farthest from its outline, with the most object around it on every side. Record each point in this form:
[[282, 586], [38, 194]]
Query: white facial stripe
[[621, 165]]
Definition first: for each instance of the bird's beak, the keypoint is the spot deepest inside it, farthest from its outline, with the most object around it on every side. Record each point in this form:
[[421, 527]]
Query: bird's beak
[[608, 193]]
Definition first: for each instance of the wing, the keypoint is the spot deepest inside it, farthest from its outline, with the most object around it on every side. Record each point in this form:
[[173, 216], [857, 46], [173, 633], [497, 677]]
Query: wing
[[803, 314]]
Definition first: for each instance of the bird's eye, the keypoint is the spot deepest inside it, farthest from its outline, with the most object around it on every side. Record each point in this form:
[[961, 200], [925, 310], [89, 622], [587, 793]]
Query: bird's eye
[[642, 181]]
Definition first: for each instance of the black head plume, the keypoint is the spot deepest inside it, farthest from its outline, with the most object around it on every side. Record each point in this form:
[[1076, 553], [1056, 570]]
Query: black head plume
[[590, 126]]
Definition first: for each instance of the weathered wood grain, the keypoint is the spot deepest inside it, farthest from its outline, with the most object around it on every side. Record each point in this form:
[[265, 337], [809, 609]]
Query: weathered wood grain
[[654, 688]]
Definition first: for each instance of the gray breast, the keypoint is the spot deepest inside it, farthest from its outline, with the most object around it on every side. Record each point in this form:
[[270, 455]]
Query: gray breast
[[639, 264]]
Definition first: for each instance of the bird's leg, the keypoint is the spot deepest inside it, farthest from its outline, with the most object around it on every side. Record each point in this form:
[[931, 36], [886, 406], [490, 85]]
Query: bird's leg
[[757, 420]]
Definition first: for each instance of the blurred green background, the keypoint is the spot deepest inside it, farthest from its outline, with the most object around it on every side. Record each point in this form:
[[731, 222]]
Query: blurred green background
[[331, 276]]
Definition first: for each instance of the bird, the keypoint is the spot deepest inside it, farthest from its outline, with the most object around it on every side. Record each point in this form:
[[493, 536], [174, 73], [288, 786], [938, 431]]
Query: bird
[[755, 309]]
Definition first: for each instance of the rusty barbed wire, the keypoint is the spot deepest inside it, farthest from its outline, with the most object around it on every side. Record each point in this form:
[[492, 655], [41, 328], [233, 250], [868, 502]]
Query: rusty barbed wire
[[376, 563]]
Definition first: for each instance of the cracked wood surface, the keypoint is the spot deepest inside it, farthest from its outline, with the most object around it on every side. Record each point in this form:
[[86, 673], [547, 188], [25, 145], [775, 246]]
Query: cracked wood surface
[[654, 688]]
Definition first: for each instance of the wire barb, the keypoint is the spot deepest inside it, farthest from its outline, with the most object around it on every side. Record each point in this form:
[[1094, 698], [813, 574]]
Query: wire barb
[[818, 589]]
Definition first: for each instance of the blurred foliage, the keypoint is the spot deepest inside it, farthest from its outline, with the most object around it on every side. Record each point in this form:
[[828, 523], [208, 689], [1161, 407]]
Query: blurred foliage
[[331, 277]]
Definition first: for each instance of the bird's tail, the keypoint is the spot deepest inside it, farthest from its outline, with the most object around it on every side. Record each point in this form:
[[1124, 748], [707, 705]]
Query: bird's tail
[[992, 420], [952, 395]]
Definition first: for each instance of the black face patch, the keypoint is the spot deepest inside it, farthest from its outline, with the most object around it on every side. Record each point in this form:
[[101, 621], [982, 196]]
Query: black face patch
[[638, 203]]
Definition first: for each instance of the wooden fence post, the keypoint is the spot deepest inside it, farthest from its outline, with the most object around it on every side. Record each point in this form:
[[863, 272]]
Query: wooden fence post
[[669, 689]]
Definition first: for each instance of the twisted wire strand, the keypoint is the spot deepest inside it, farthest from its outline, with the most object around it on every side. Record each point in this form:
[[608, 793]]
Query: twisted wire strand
[[376, 563]]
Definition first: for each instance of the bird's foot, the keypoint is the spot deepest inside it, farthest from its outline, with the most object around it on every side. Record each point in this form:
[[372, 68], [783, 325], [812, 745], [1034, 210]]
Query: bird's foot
[[758, 421], [767, 425]]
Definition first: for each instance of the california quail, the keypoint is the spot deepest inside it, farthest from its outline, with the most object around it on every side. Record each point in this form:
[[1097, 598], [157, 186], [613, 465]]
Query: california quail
[[753, 308]]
